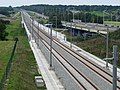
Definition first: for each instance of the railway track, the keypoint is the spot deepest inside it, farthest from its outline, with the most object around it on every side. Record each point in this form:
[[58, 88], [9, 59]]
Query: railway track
[[70, 68], [70, 71], [89, 64]]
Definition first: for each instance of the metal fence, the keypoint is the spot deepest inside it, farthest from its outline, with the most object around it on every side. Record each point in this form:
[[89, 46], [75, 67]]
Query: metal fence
[[8, 67]]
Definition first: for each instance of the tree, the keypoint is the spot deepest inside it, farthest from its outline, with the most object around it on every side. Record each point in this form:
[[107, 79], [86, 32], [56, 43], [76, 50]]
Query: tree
[[3, 33], [55, 20], [6, 10], [4, 21], [85, 13]]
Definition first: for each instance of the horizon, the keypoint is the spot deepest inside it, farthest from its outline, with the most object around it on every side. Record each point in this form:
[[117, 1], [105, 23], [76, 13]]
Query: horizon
[[18, 3], [61, 4]]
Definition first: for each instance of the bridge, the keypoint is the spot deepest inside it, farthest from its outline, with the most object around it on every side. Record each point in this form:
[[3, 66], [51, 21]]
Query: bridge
[[78, 69], [90, 27]]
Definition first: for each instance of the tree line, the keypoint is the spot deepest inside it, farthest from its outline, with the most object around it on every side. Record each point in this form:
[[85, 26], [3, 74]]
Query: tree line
[[3, 32], [82, 12], [6, 10]]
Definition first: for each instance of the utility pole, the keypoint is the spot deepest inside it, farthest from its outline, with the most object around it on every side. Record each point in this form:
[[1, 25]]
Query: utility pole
[[107, 42], [71, 35], [37, 38], [111, 16], [68, 15], [103, 17], [56, 25], [70, 29], [73, 15], [32, 27], [73, 23], [51, 46], [115, 56], [85, 17], [38, 27], [116, 18]]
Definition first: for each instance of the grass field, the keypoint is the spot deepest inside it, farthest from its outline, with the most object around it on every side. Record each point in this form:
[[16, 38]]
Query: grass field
[[98, 13], [13, 30], [5, 53], [24, 66], [112, 23]]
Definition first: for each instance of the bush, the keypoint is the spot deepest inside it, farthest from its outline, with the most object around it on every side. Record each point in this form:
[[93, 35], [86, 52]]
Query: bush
[[3, 33], [5, 21]]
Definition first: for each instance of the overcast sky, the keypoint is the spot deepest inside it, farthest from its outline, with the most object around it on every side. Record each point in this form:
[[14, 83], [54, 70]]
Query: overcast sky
[[56, 2]]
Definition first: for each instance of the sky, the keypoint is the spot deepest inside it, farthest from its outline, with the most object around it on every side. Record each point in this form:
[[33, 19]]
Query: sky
[[57, 2]]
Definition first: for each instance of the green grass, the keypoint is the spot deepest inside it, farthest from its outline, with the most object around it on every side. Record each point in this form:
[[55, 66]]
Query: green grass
[[97, 46], [24, 66], [98, 13], [13, 29], [112, 23], [42, 21], [5, 53]]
